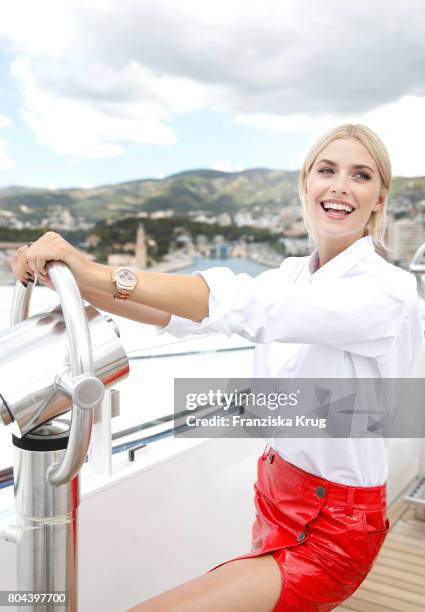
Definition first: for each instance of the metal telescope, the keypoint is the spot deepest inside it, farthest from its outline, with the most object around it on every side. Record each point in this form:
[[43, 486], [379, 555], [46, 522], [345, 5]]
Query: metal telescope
[[50, 363]]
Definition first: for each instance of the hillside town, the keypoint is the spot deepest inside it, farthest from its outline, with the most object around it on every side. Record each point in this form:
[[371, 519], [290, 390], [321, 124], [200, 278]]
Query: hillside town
[[405, 233]]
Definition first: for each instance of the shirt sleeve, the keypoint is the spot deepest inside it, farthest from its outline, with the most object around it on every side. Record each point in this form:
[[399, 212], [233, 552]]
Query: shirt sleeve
[[180, 327], [360, 314]]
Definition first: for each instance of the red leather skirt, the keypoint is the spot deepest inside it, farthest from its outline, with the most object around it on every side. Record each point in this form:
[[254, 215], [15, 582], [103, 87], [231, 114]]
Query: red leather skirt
[[324, 535]]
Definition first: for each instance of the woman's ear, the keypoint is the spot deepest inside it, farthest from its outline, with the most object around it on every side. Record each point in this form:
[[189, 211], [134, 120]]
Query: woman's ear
[[381, 201]]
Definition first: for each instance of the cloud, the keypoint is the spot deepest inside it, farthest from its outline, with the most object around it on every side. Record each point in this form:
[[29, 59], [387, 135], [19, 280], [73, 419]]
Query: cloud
[[5, 121], [6, 162], [227, 166], [80, 128], [96, 76], [295, 123], [400, 124]]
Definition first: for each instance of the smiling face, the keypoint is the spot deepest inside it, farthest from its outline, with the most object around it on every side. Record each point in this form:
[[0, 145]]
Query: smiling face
[[344, 173]]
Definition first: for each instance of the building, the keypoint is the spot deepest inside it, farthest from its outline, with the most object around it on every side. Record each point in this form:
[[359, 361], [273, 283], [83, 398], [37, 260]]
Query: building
[[92, 240], [11, 246], [404, 237], [297, 246], [139, 260], [224, 219], [242, 219], [120, 259]]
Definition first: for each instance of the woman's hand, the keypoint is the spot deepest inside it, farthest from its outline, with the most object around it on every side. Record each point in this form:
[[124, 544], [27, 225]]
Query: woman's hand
[[20, 267], [50, 247]]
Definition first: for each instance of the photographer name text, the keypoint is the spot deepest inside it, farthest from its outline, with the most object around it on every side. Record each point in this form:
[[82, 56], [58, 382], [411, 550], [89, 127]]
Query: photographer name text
[[238, 420]]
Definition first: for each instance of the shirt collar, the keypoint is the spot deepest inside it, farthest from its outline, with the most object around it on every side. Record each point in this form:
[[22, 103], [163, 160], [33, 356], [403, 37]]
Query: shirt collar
[[340, 264]]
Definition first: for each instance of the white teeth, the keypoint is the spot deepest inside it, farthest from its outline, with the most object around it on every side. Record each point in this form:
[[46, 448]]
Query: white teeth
[[337, 206]]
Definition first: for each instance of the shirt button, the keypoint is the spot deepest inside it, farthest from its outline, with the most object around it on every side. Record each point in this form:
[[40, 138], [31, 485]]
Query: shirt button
[[301, 536], [270, 458], [320, 491]]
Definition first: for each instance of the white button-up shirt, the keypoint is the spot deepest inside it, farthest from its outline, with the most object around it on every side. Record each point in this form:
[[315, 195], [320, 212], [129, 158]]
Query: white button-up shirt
[[355, 317]]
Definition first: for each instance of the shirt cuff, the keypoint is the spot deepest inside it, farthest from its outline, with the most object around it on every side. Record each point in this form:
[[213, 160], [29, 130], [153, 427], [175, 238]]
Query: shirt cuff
[[178, 327]]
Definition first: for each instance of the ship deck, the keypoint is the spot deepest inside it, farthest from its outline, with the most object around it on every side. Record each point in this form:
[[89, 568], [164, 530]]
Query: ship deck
[[397, 580]]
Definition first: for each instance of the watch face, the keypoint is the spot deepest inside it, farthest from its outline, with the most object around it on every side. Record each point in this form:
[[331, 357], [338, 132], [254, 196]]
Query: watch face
[[126, 276]]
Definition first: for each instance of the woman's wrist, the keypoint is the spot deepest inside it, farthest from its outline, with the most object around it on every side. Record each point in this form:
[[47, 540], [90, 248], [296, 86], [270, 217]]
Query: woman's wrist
[[96, 277]]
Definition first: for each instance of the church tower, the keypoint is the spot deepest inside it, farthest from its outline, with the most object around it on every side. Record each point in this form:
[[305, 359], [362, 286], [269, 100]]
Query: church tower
[[141, 251]]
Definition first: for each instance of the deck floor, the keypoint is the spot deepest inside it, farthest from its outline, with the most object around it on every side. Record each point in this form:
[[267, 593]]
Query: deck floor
[[397, 580]]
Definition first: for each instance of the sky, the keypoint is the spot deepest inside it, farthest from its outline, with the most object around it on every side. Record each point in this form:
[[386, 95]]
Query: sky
[[103, 92]]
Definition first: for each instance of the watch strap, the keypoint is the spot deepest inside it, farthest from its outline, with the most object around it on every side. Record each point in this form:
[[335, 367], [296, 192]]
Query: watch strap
[[121, 293]]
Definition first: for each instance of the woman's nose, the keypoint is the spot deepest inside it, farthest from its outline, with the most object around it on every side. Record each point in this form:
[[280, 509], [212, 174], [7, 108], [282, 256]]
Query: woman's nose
[[340, 188], [340, 185]]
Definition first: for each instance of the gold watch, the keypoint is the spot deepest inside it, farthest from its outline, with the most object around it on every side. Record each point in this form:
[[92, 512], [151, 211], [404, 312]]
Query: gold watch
[[125, 280]]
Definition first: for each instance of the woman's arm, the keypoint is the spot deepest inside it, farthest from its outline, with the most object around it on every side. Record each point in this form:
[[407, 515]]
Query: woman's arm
[[180, 294], [129, 310], [186, 296]]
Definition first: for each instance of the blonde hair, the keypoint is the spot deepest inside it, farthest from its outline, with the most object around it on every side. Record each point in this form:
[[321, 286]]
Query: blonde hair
[[377, 221]]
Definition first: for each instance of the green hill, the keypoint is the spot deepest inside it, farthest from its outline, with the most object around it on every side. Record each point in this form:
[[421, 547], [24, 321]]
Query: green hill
[[192, 190], [206, 190]]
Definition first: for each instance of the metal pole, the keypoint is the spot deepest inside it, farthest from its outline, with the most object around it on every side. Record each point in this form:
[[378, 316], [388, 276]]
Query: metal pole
[[46, 519], [48, 460], [417, 496]]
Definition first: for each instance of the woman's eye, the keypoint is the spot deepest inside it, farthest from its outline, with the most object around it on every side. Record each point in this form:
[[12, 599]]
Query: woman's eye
[[362, 174]]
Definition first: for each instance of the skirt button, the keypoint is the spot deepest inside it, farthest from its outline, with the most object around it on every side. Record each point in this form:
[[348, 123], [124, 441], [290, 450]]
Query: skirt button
[[301, 536], [320, 491], [270, 458]]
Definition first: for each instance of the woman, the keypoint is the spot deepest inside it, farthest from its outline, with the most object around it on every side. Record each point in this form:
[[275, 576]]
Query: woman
[[320, 502]]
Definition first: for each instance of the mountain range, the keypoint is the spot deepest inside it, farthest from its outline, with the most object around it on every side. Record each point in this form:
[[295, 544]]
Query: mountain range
[[193, 190]]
